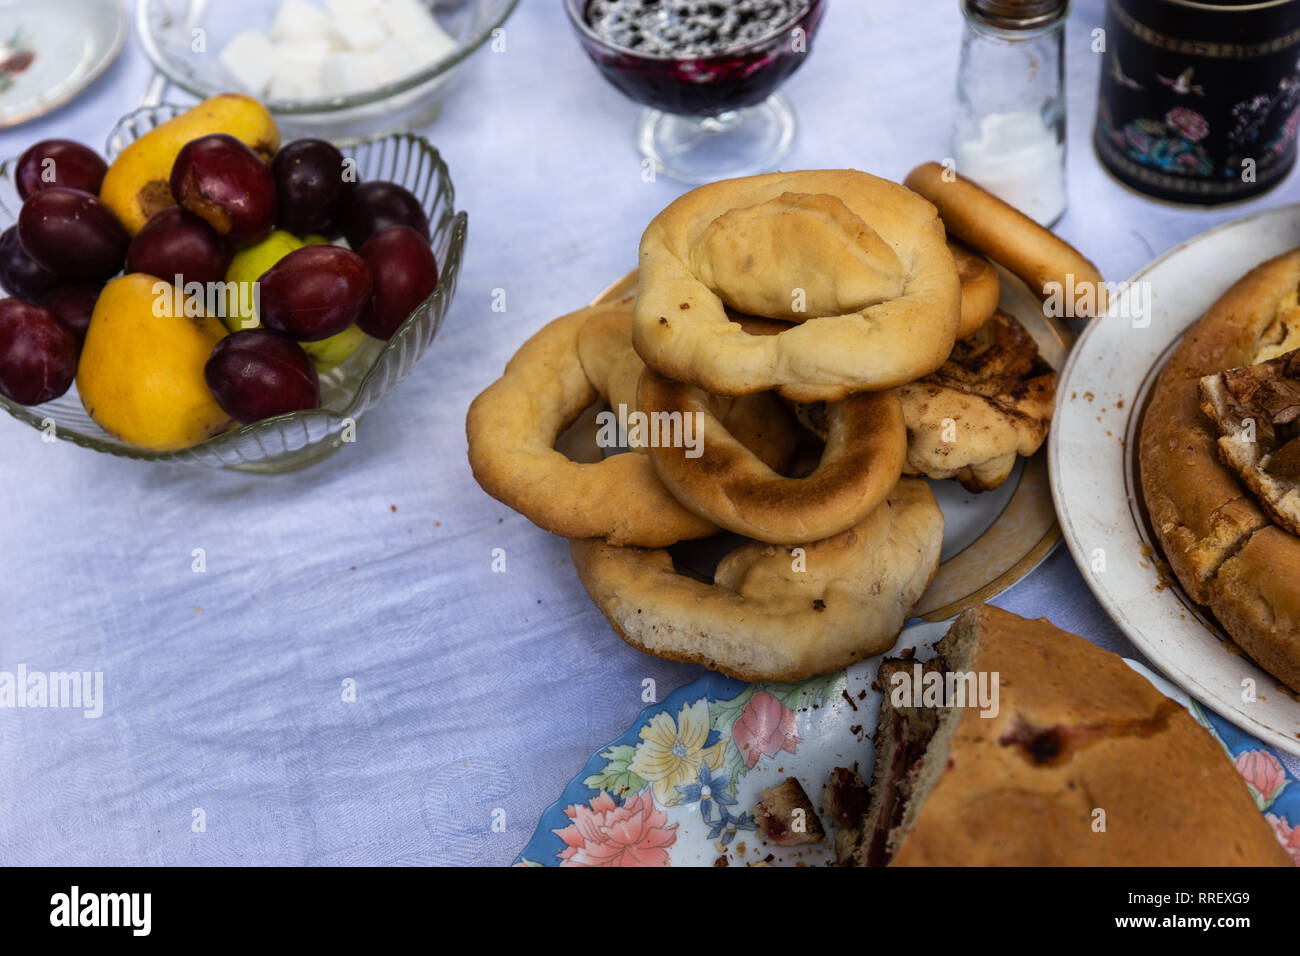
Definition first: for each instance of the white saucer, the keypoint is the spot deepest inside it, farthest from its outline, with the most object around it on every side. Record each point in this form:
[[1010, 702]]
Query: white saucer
[[51, 50]]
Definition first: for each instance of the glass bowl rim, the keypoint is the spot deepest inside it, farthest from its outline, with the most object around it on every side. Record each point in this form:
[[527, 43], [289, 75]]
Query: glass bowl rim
[[328, 104], [580, 24], [458, 227]]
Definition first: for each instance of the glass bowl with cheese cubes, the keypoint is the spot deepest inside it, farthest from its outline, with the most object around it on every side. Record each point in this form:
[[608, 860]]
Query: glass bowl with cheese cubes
[[336, 69]]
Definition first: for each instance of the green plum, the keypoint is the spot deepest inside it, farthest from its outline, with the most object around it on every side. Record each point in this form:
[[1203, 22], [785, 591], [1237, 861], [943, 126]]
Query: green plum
[[249, 265]]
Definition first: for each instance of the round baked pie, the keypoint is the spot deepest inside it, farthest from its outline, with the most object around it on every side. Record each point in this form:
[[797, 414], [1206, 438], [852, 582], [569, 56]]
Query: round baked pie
[[1075, 730], [1220, 464]]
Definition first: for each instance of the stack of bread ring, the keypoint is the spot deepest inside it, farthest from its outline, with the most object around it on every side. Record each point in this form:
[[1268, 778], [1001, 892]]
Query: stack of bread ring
[[801, 350]]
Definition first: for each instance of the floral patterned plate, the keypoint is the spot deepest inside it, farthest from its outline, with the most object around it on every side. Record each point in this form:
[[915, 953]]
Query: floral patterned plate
[[678, 787]]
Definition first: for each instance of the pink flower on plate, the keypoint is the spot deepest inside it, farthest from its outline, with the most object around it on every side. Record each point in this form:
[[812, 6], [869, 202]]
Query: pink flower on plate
[[1287, 835], [1263, 772], [765, 727], [605, 834], [1191, 124]]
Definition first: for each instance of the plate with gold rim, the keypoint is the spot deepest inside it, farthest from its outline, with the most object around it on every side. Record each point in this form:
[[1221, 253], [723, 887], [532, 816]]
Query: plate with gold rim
[[1092, 448]]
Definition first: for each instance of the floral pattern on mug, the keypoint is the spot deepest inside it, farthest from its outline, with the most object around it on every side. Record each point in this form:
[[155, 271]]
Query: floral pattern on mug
[[1172, 144]]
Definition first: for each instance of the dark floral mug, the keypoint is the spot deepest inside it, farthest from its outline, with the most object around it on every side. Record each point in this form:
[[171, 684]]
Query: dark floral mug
[[1199, 101]]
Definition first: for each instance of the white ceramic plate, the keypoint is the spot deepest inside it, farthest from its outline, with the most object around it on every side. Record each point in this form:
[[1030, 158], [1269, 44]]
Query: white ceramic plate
[[51, 50], [1091, 454]]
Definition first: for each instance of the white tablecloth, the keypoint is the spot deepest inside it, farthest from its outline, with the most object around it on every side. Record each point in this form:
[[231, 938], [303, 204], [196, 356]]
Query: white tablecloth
[[475, 691]]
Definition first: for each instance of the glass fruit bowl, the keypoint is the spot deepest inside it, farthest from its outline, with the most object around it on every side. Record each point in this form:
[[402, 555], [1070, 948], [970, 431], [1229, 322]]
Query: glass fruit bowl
[[290, 442], [168, 29]]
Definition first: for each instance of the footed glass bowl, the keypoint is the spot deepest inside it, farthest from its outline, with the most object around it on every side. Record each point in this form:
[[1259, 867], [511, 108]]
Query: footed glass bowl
[[166, 28], [290, 442]]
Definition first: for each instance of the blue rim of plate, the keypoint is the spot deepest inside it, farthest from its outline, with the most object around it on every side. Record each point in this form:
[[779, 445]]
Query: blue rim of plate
[[544, 845]]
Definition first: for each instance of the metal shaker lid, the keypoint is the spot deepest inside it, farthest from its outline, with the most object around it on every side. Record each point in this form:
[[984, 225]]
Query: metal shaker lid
[[1016, 14]]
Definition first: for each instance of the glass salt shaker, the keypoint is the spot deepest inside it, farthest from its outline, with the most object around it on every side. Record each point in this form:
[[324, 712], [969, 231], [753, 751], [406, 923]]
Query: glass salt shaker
[[1009, 134]]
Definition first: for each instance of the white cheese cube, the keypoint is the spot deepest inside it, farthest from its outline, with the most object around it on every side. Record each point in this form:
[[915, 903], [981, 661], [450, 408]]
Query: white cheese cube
[[296, 83], [406, 18], [337, 8], [393, 60], [359, 30], [350, 71], [303, 54], [300, 20], [250, 58], [430, 48]]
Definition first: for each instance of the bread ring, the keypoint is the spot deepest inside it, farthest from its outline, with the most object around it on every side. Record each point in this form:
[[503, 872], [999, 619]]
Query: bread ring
[[605, 350], [761, 422], [866, 446], [980, 289], [1042, 259], [763, 618], [859, 262], [513, 425]]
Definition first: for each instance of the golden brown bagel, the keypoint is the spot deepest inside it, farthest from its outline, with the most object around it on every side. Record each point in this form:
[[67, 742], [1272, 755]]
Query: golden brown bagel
[[858, 262], [513, 425], [866, 445], [761, 423], [1007, 236], [771, 614]]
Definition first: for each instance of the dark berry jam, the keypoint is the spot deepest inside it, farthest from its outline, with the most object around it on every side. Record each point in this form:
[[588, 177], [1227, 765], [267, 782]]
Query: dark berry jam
[[689, 28], [698, 57]]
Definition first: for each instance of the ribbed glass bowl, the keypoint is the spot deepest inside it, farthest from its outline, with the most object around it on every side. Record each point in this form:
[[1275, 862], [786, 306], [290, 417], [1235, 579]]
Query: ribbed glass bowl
[[167, 29], [290, 442]]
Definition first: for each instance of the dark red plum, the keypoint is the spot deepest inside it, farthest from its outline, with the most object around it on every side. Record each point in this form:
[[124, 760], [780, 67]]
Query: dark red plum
[[59, 163], [257, 373], [312, 187], [405, 274], [227, 185], [73, 234], [178, 243], [38, 353], [314, 292], [377, 205]]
